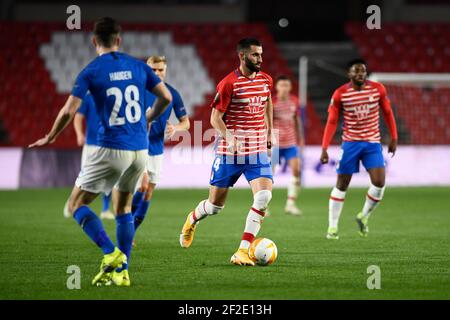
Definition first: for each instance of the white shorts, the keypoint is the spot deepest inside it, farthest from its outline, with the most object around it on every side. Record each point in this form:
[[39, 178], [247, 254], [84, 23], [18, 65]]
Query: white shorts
[[154, 164], [106, 168], [88, 150]]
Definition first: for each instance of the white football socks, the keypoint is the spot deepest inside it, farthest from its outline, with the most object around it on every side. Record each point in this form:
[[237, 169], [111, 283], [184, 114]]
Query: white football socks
[[293, 189], [255, 217], [252, 226], [335, 206], [204, 208], [373, 198]]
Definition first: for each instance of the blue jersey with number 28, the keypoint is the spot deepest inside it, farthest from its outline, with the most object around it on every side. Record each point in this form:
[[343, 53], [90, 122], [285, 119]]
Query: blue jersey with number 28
[[118, 83]]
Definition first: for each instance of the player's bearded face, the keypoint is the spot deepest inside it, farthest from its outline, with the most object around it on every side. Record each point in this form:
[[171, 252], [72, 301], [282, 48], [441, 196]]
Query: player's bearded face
[[253, 59], [252, 65]]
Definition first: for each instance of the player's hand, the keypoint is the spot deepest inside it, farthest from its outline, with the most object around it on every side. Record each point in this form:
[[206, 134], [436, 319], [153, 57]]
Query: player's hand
[[392, 147], [270, 140], [80, 140], [301, 143], [170, 130], [234, 146], [42, 142], [324, 157]]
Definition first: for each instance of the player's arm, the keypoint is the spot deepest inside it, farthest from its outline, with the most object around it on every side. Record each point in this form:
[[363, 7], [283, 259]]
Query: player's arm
[[183, 125], [269, 121], [180, 111], [219, 106], [164, 98], [218, 124], [299, 129], [389, 118], [331, 126], [78, 126], [64, 117]]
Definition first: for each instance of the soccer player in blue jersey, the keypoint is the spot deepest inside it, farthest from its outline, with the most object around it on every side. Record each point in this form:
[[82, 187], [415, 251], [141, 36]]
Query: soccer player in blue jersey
[[87, 113], [160, 129], [118, 84]]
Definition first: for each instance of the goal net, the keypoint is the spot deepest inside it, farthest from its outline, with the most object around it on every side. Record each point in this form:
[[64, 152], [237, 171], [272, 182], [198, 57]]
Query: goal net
[[422, 106]]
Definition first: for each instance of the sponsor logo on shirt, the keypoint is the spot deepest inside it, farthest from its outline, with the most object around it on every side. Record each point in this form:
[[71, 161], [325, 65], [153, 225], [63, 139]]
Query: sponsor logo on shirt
[[254, 101]]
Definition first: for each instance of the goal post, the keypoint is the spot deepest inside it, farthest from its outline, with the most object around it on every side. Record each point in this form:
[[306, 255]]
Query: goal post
[[420, 79]]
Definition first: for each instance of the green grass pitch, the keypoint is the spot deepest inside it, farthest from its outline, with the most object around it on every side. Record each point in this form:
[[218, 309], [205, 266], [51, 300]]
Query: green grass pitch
[[409, 241]]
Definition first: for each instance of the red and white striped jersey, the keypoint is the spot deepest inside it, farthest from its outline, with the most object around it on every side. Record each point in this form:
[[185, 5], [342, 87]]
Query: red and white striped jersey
[[284, 114], [360, 110], [243, 101]]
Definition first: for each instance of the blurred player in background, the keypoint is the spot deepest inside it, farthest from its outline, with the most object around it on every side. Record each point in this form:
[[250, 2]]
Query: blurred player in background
[[359, 101], [242, 116], [288, 126], [88, 141], [118, 84], [160, 129]]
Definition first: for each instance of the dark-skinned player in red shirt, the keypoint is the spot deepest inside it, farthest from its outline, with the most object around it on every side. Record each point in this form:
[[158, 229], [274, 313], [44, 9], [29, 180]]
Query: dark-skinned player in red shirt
[[359, 101]]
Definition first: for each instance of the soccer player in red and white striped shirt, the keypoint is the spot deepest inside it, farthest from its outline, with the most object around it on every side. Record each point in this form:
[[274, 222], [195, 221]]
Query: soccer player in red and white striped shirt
[[359, 101], [288, 127], [242, 116]]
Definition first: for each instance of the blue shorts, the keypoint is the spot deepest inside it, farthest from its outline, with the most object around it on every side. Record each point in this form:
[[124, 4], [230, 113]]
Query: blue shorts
[[352, 152], [284, 153], [226, 170]]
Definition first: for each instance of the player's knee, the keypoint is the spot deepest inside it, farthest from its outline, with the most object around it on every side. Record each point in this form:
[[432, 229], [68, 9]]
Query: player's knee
[[212, 209], [342, 184], [379, 183], [261, 199]]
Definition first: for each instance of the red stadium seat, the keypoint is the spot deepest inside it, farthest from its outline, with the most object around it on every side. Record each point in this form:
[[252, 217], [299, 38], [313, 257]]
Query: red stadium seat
[[409, 47]]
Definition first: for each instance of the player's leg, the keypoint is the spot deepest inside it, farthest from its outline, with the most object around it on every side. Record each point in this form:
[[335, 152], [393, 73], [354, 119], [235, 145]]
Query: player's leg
[[294, 164], [374, 163], [336, 204], [224, 174], [92, 226], [262, 194], [84, 153], [207, 207], [102, 169], [152, 177], [122, 200], [106, 213], [259, 174], [96, 176], [66, 211], [87, 219], [347, 165], [142, 209], [211, 206], [140, 191]]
